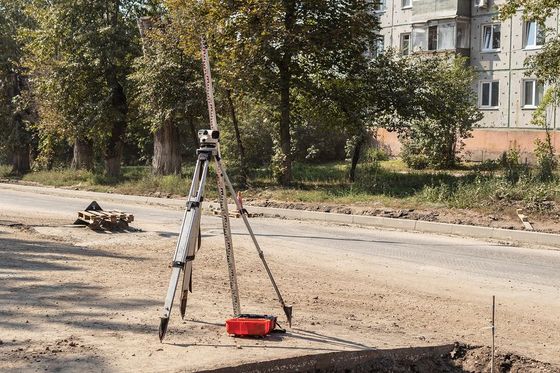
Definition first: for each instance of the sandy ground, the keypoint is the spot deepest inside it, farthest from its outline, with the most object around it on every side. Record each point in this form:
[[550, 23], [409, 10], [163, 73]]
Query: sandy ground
[[72, 299]]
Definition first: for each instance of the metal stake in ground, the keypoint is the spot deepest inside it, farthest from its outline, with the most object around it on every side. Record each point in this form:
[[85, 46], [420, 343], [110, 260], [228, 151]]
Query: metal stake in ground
[[493, 331]]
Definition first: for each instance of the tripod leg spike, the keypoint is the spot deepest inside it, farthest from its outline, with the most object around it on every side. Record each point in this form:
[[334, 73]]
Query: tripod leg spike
[[288, 312], [164, 322], [183, 304]]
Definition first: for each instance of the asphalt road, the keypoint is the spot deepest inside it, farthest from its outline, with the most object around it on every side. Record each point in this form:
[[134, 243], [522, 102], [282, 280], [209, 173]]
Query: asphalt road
[[452, 255]]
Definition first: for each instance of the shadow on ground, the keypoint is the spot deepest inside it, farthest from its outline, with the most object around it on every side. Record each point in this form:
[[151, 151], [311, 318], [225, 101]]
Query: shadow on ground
[[67, 295]]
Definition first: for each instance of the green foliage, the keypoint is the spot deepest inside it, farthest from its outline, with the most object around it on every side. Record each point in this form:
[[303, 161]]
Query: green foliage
[[448, 114], [375, 155], [412, 156], [278, 162], [547, 162], [5, 170], [538, 10], [512, 165], [79, 54], [168, 83], [255, 121], [15, 112], [277, 50]]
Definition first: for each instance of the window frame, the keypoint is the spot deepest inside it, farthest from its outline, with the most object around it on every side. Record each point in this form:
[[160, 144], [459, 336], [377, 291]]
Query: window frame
[[480, 92], [409, 34], [381, 7], [491, 49], [403, 6], [533, 105], [436, 39], [378, 47], [526, 44]]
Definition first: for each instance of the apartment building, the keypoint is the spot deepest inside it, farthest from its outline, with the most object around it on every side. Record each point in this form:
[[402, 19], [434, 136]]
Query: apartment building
[[497, 50]]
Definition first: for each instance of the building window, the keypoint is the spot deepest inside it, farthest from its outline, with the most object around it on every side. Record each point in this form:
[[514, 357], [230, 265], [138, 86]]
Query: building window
[[533, 35], [480, 3], [432, 38], [533, 92], [378, 47], [406, 4], [491, 37], [463, 35], [489, 94], [405, 44], [381, 5]]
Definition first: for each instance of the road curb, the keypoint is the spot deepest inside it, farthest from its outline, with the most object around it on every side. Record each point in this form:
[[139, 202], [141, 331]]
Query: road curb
[[485, 233], [536, 238]]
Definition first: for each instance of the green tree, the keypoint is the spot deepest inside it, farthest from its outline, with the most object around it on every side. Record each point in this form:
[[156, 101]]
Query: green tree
[[169, 92], [383, 93], [448, 113], [15, 110], [79, 56], [275, 47]]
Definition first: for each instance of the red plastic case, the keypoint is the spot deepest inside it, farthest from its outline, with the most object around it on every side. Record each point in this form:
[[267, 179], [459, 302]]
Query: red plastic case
[[251, 325]]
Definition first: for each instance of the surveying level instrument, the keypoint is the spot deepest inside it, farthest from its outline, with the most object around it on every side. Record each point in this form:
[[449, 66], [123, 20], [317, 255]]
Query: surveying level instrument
[[189, 240]]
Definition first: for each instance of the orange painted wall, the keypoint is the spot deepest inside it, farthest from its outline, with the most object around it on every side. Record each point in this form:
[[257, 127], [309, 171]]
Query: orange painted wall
[[485, 143]]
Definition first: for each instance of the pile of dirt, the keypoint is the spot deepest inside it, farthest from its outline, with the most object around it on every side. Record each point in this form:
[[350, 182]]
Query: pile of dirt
[[448, 358], [478, 359]]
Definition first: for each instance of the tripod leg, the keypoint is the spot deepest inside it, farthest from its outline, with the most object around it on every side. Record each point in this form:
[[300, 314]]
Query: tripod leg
[[187, 272], [287, 309], [188, 237], [176, 272]]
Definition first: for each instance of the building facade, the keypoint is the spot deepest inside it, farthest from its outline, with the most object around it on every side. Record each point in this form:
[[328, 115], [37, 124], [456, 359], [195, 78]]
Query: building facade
[[497, 50]]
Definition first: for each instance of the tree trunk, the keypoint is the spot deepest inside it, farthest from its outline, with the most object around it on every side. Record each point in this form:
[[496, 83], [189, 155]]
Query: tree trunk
[[83, 155], [193, 131], [167, 150], [114, 149], [285, 138], [356, 157], [240, 148], [119, 105], [20, 160], [19, 143]]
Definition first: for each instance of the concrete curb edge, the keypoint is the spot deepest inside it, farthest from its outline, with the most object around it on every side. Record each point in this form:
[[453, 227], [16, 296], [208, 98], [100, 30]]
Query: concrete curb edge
[[485, 233]]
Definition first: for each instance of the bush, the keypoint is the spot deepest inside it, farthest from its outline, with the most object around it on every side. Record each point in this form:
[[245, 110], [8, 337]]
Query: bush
[[5, 170], [511, 162], [446, 114], [546, 159], [375, 155], [411, 156]]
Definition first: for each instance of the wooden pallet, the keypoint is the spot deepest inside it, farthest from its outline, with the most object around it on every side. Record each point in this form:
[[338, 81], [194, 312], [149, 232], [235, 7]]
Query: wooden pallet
[[98, 219]]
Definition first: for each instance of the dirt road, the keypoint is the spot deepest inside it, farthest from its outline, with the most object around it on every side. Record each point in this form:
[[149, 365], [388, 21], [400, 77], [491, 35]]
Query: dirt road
[[74, 299]]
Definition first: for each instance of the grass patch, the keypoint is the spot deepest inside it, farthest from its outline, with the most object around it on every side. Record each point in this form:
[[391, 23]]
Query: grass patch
[[389, 183], [5, 170]]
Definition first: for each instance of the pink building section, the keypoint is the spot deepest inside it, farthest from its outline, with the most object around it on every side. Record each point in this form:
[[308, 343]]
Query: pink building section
[[485, 143]]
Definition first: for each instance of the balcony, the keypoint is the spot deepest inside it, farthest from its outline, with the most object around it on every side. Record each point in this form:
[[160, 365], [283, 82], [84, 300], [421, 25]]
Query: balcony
[[441, 36]]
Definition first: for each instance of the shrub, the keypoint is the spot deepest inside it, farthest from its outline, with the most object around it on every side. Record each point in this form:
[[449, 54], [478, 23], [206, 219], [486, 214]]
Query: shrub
[[412, 157], [546, 159], [511, 162]]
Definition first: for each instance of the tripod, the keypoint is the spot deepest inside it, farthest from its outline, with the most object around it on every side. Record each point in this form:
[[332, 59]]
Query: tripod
[[190, 236]]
